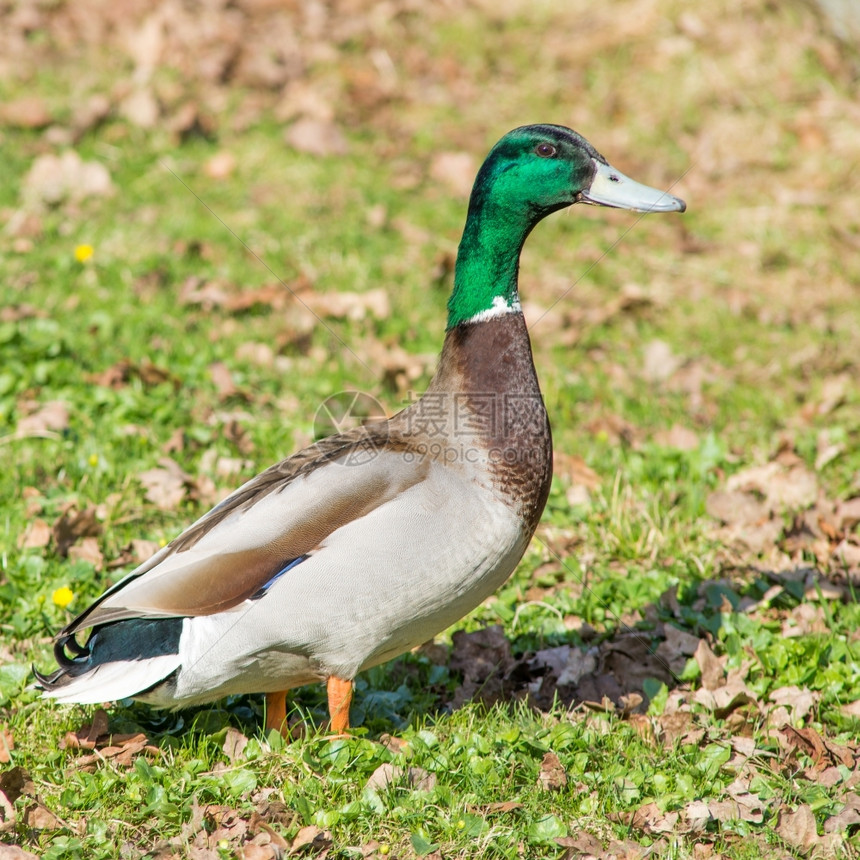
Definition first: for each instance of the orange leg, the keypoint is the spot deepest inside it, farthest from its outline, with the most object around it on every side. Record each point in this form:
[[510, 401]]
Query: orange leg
[[339, 700], [276, 713]]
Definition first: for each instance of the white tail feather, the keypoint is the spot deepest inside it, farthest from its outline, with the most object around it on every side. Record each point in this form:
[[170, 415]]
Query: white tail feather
[[110, 682]]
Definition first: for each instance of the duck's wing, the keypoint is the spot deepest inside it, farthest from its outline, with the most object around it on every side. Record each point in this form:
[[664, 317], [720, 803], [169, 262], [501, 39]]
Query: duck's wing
[[264, 528]]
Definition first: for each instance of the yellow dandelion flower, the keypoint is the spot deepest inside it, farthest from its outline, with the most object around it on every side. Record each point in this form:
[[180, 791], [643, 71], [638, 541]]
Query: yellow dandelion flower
[[84, 253], [63, 596], [93, 460]]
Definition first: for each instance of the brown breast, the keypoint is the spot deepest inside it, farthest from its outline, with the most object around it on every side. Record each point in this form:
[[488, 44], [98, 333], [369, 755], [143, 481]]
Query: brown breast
[[484, 406]]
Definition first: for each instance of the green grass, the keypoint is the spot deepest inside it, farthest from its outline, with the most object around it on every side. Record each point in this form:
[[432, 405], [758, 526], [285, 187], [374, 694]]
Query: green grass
[[752, 289]]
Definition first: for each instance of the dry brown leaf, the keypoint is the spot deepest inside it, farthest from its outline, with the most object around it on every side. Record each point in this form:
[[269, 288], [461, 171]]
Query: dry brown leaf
[[552, 775], [713, 674], [166, 487], [13, 852], [352, 306], [257, 353], [316, 137], [616, 429], [822, 751], [848, 513], [136, 552], [221, 165], [723, 700], [798, 827], [140, 108], [223, 379], [696, 816], [849, 815], [16, 782], [90, 114], [234, 744], [501, 807], [52, 417], [677, 436], [53, 179], [72, 525], [848, 554], [583, 846], [311, 836], [7, 744], [659, 362], [394, 744], [26, 112], [8, 815], [415, 778], [576, 470], [674, 726], [483, 657], [36, 535], [650, 819], [784, 488], [677, 647], [732, 507], [796, 702], [852, 709], [206, 294], [87, 550], [804, 619], [39, 817], [120, 374], [455, 170], [250, 851]]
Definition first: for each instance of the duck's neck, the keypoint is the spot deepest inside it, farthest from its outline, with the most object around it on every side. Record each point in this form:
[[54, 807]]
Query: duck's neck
[[485, 278]]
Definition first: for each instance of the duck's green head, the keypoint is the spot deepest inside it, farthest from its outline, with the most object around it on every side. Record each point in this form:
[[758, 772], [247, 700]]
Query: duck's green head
[[531, 172]]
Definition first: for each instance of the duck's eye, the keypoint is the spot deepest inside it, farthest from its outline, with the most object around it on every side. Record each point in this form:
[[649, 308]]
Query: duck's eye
[[545, 150]]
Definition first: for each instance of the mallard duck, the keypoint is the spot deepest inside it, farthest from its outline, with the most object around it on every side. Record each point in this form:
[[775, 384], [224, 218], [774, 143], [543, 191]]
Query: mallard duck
[[329, 563]]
